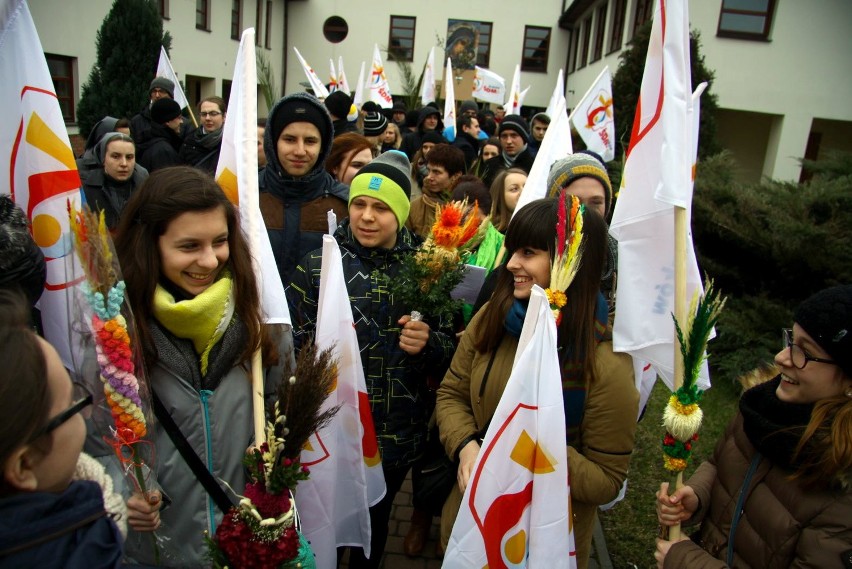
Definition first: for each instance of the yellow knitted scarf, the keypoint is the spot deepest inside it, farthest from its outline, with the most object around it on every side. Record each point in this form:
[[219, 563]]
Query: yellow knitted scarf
[[202, 319]]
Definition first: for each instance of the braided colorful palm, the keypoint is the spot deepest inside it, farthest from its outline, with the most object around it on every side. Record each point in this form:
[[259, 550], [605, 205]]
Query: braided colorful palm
[[566, 262]]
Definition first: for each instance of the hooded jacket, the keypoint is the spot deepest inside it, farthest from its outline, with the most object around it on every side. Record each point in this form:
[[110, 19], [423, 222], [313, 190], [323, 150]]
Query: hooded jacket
[[396, 381], [160, 149], [295, 209], [105, 194], [412, 141], [71, 530], [201, 149]]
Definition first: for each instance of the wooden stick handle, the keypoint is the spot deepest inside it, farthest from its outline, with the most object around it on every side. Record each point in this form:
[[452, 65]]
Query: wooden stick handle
[[257, 399]]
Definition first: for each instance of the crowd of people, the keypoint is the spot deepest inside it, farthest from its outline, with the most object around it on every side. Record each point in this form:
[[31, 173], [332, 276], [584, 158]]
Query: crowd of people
[[777, 493]]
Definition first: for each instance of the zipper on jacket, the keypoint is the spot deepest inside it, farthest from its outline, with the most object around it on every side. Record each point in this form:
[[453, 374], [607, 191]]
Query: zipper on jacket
[[211, 507]]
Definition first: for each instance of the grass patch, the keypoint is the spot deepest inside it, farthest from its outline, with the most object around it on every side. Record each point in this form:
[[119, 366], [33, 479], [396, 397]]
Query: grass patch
[[631, 526]]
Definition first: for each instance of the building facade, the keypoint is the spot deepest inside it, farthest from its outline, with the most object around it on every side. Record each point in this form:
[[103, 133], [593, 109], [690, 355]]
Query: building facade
[[782, 72]]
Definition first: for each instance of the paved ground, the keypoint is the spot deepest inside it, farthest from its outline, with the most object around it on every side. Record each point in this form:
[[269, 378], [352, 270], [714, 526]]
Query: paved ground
[[399, 524]]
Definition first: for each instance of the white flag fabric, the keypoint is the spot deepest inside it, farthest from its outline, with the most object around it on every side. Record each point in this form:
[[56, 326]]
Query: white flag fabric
[[319, 89], [427, 89], [449, 104], [555, 145], [358, 98], [592, 117], [38, 169], [521, 97], [380, 91], [513, 103], [516, 508], [557, 95], [334, 502], [165, 69], [657, 176], [342, 83], [488, 86], [236, 173], [332, 78]]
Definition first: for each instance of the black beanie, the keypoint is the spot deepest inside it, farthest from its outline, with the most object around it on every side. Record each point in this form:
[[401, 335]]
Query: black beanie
[[22, 263], [375, 124], [297, 110], [517, 124], [338, 104], [432, 136], [827, 318], [164, 110]]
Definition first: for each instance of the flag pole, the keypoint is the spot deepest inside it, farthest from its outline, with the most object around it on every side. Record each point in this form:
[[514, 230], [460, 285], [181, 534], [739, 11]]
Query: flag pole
[[192, 116]]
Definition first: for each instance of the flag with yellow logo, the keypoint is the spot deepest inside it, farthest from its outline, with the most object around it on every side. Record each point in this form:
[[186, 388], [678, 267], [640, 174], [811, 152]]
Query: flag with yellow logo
[[37, 167], [516, 508], [593, 118], [380, 91], [236, 173], [346, 468]]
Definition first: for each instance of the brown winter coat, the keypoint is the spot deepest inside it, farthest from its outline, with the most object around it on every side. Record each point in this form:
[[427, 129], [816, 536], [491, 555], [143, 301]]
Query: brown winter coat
[[597, 466], [782, 525], [421, 216]]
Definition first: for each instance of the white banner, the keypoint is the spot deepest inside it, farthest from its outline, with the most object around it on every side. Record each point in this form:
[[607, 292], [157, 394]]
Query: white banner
[[165, 69], [427, 89], [313, 79], [380, 91], [592, 117], [488, 86]]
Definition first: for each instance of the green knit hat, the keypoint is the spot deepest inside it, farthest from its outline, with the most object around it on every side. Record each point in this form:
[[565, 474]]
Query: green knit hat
[[386, 179]]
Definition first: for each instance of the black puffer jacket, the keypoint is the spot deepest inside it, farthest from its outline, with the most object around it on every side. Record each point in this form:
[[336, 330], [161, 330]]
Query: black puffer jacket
[[412, 141], [396, 382]]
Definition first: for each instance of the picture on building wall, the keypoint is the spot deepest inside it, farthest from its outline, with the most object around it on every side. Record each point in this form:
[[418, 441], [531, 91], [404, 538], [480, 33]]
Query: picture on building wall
[[462, 43]]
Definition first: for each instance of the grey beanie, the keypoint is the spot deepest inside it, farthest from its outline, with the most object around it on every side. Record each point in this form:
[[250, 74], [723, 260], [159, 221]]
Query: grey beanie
[[575, 166], [164, 84], [515, 123]]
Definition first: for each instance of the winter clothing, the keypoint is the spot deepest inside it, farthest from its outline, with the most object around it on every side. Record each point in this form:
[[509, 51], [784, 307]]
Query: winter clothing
[[67, 530], [375, 124], [201, 149], [21, 260], [825, 316], [294, 208], [412, 141], [469, 146], [396, 381], [493, 166], [338, 104], [88, 468], [468, 105], [515, 123], [782, 524], [575, 166], [597, 460], [164, 110], [386, 179], [422, 215], [162, 83], [160, 149], [105, 194]]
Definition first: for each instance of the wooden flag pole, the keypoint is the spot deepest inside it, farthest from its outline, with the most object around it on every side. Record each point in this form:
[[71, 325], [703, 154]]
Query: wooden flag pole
[[192, 115], [259, 406]]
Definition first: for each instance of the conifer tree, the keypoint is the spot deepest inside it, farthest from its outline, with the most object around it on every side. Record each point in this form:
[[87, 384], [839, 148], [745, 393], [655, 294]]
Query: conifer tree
[[128, 48]]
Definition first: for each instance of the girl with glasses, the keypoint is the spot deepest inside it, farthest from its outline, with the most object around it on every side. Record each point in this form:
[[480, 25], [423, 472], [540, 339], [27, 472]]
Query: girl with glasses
[[778, 490]]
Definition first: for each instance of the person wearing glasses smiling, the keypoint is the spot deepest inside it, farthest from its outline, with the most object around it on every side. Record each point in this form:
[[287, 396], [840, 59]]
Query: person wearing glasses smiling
[[201, 147], [778, 490], [47, 519]]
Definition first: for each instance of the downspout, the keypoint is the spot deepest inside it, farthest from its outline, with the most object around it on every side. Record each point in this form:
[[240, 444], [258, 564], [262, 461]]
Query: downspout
[[285, 50]]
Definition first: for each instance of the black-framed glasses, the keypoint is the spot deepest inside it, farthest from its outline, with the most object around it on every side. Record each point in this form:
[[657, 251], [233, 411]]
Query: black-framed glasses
[[798, 356], [57, 421], [212, 114]]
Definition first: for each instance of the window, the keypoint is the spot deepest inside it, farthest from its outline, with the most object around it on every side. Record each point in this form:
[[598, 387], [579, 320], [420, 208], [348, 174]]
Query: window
[[483, 50], [236, 19], [401, 42], [163, 9], [267, 41], [616, 33], [572, 53], [600, 27], [62, 72], [536, 48], [335, 29], [202, 15], [587, 33], [746, 19], [644, 11], [258, 20]]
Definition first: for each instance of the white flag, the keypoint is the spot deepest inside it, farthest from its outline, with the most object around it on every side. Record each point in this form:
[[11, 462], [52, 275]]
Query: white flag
[[427, 89], [165, 69], [380, 91], [332, 79], [521, 97], [38, 168], [236, 173], [334, 502], [558, 94], [592, 117], [488, 86], [555, 145], [516, 508], [449, 104], [342, 83], [657, 176], [513, 103], [319, 89], [358, 99]]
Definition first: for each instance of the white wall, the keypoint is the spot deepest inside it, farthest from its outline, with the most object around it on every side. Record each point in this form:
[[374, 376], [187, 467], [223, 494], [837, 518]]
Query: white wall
[[369, 23]]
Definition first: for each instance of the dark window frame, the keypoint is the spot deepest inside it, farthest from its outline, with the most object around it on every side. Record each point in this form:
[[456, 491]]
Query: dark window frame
[[616, 28], [202, 13], [767, 14], [600, 29], [258, 22], [236, 19], [644, 11], [483, 56], [163, 9], [67, 79], [401, 53], [267, 39], [574, 48], [536, 63], [587, 32]]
